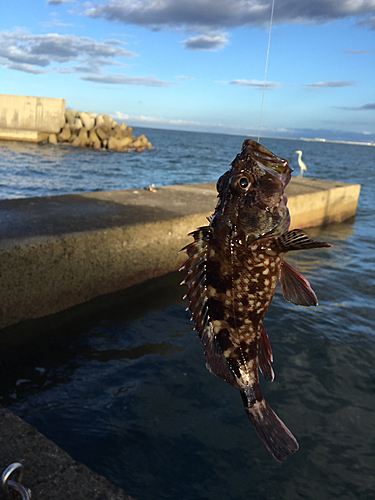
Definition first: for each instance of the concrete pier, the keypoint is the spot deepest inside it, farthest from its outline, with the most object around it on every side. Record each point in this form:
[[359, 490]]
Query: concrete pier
[[59, 251], [49, 472]]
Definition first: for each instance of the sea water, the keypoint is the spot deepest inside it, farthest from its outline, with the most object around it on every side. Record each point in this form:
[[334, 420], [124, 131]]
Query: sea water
[[120, 383]]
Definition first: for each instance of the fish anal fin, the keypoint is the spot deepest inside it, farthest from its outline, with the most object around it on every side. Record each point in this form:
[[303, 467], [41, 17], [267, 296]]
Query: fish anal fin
[[215, 361], [265, 356], [273, 433], [295, 287]]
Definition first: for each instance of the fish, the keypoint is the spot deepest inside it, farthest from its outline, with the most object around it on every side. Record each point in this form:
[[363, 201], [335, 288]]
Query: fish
[[232, 269]]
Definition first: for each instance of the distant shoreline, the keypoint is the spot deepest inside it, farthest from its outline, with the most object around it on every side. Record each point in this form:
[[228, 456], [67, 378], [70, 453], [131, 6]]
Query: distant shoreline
[[357, 143], [317, 139], [252, 136]]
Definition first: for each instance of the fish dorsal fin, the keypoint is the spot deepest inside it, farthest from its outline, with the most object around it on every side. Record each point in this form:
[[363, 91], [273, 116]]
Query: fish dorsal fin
[[195, 267], [195, 280], [296, 239], [265, 356], [295, 287]]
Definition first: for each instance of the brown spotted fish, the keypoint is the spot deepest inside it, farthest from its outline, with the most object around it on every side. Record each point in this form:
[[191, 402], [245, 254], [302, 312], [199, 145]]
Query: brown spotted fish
[[233, 267]]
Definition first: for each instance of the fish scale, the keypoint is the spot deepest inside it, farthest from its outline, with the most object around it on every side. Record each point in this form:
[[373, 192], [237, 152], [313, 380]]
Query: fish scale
[[233, 267]]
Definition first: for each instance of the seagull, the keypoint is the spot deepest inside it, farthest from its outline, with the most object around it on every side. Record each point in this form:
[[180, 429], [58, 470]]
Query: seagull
[[301, 165]]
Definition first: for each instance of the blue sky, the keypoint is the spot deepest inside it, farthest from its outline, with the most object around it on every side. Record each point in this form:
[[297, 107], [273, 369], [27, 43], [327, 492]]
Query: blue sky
[[200, 64]]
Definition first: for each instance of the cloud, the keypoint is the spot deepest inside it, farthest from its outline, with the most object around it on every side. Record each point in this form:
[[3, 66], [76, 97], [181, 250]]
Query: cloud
[[58, 2], [220, 14], [365, 107], [359, 51], [117, 79], [205, 42], [256, 84], [55, 23], [370, 21], [26, 68], [24, 51], [184, 77], [75, 69], [153, 120], [334, 84]]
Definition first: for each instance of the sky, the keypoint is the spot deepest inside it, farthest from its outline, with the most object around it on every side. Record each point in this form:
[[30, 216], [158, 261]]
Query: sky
[[200, 64]]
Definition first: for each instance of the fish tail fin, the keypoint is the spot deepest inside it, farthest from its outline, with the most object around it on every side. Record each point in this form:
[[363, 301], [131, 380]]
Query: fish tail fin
[[275, 436]]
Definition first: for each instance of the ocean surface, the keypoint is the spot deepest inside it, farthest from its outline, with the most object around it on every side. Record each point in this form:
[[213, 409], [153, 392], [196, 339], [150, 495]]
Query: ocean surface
[[120, 383]]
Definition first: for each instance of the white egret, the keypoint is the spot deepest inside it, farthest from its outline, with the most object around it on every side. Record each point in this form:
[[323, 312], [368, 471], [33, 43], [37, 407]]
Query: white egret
[[301, 165]]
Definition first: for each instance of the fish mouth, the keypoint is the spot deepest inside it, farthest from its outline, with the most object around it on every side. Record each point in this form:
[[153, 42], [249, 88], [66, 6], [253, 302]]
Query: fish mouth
[[275, 166], [279, 170], [279, 176]]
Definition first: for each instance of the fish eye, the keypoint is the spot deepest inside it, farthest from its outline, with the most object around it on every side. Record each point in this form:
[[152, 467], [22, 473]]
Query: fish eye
[[241, 182]]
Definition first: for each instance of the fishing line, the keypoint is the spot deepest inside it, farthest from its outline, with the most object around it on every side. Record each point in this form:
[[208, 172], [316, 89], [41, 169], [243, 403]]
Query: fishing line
[[265, 73]]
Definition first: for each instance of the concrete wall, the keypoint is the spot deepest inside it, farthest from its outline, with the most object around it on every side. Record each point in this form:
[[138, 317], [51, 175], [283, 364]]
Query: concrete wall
[[317, 203], [50, 275], [32, 114]]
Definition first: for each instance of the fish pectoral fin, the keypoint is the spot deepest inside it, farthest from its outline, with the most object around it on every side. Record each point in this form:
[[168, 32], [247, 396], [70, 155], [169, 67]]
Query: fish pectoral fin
[[295, 287], [296, 239], [265, 356], [273, 433]]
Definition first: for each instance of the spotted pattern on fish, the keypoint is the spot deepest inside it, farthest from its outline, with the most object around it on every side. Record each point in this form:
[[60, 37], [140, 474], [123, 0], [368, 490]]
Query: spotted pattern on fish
[[233, 267]]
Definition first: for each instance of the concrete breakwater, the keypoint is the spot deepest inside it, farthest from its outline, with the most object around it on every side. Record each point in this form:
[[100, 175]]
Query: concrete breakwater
[[38, 119], [85, 129], [28, 118], [59, 251]]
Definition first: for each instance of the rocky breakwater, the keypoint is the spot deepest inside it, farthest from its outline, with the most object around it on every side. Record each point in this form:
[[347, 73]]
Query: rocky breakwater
[[83, 129]]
